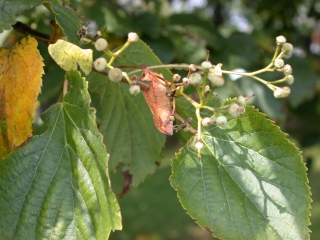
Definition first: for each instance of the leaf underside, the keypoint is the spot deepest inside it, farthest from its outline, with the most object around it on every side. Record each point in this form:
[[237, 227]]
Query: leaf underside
[[70, 57], [57, 186], [249, 183]]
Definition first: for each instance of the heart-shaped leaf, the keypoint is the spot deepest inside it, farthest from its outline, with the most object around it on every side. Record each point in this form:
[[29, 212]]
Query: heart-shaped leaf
[[248, 183]]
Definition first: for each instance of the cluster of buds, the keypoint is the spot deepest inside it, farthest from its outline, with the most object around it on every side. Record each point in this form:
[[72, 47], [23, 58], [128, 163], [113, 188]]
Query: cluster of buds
[[101, 44], [234, 109], [205, 77], [215, 75], [114, 74], [280, 65], [206, 71]]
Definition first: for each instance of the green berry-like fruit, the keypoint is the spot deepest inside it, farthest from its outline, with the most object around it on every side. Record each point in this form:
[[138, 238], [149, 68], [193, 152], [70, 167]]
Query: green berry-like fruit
[[206, 64], [221, 121], [235, 110], [100, 64], [287, 49], [281, 40], [215, 79], [279, 63], [133, 37], [281, 92], [101, 44], [115, 75], [195, 78], [134, 89], [287, 69], [290, 79], [207, 121]]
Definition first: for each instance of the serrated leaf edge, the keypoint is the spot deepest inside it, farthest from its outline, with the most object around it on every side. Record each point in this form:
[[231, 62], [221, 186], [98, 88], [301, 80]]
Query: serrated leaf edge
[[288, 140]]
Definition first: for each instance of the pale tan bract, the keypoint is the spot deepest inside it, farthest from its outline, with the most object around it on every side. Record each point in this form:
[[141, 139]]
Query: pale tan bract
[[158, 101]]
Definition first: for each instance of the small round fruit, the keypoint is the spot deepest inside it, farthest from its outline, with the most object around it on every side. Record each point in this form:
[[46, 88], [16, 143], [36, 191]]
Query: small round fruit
[[134, 89], [115, 75], [101, 44], [100, 64]]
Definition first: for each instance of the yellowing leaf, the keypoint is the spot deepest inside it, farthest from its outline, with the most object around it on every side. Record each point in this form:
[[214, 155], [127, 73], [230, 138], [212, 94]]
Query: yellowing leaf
[[21, 69], [69, 56]]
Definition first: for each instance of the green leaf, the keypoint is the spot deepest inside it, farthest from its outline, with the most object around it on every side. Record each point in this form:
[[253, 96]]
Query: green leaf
[[67, 20], [145, 201], [250, 182], [11, 9], [57, 186], [125, 120], [69, 56], [127, 125], [140, 54]]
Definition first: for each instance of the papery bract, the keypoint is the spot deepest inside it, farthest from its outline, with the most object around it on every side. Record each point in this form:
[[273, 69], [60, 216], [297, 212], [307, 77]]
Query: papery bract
[[158, 101]]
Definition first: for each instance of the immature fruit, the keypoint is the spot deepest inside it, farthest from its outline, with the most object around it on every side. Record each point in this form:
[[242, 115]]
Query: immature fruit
[[242, 100], [287, 69], [195, 78], [206, 64], [115, 75], [290, 79], [134, 89], [176, 77], [221, 121], [100, 64], [215, 79], [287, 48], [235, 110], [279, 63], [207, 121], [198, 145], [133, 37], [101, 44], [281, 92], [281, 40], [186, 81], [207, 89]]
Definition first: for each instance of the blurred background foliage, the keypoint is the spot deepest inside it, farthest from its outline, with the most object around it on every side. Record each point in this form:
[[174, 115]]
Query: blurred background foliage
[[238, 33]]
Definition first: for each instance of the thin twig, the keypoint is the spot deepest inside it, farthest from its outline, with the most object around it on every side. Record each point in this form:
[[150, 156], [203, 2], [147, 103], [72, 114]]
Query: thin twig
[[23, 28]]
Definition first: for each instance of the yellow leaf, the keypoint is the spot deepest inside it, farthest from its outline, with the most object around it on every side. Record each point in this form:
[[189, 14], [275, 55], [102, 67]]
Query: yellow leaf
[[69, 56], [21, 69]]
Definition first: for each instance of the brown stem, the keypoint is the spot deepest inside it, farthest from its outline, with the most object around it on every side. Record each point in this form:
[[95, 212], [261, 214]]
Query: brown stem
[[185, 122], [23, 28], [127, 180]]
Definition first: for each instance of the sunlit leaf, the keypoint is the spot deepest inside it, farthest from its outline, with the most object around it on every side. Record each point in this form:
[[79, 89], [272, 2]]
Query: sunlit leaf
[[249, 183]]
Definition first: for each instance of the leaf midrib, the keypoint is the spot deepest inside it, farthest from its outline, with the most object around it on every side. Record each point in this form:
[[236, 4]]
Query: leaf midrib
[[240, 187]]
